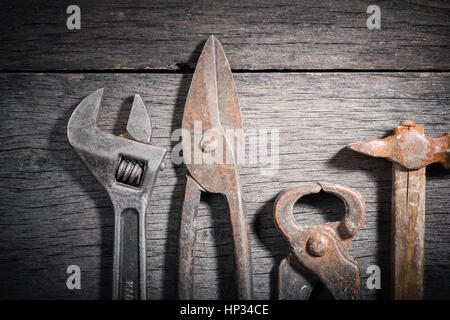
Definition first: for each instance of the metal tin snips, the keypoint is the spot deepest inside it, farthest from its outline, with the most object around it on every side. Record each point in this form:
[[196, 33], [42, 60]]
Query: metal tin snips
[[211, 115]]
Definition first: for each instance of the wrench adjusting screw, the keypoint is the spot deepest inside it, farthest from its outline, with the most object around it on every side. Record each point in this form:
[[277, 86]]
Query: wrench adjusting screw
[[130, 171]]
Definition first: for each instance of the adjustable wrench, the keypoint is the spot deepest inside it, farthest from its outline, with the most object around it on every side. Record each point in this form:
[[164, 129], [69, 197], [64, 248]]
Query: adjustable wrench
[[127, 169]]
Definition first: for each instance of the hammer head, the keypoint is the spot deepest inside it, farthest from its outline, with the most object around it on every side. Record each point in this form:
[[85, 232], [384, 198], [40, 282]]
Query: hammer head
[[409, 147], [120, 164]]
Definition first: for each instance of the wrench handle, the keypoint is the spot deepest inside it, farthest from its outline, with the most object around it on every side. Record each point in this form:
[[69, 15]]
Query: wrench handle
[[129, 256]]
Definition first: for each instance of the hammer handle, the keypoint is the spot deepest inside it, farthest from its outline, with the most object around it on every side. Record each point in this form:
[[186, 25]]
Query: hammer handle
[[408, 230]]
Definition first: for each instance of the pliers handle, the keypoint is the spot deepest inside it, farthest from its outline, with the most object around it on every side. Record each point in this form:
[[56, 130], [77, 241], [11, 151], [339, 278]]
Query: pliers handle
[[241, 240]]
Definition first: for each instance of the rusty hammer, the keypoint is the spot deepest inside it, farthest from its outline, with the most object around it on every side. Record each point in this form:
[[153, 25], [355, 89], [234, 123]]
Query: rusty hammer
[[411, 151]]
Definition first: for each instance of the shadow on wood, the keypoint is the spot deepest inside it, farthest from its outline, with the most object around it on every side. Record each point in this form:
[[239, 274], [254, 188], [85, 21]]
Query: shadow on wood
[[264, 228], [348, 160], [170, 282], [106, 212]]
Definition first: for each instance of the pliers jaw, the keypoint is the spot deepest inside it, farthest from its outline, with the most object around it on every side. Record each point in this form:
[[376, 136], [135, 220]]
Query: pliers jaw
[[321, 249]]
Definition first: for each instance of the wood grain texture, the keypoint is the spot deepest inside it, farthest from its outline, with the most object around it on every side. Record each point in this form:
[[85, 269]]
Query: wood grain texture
[[408, 241], [54, 214], [256, 34]]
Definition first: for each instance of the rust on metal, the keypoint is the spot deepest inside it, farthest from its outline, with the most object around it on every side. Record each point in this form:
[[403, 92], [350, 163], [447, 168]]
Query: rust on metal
[[411, 151], [127, 167], [409, 147], [319, 252], [211, 112]]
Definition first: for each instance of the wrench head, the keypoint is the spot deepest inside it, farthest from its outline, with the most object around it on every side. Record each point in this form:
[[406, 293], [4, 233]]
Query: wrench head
[[104, 154]]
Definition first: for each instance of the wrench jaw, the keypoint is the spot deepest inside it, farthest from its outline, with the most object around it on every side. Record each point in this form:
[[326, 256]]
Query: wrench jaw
[[130, 191], [139, 125], [101, 152]]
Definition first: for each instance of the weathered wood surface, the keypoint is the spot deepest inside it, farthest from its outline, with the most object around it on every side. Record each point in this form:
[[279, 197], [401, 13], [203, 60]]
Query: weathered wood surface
[[54, 214], [257, 35]]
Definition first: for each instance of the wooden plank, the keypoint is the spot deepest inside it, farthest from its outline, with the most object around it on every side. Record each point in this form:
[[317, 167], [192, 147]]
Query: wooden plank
[[54, 214], [257, 35]]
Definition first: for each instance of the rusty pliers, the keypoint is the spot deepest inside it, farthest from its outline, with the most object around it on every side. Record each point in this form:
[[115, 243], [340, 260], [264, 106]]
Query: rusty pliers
[[211, 113], [126, 166], [319, 252]]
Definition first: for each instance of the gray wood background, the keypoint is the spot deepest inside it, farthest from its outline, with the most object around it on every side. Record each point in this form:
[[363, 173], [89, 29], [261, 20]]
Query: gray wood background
[[310, 69]]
